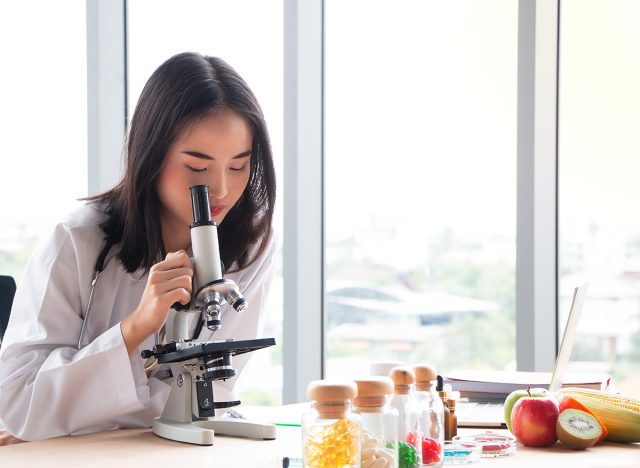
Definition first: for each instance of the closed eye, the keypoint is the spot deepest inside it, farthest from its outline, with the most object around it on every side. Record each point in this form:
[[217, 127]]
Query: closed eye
[[195, 169], [238, 169]]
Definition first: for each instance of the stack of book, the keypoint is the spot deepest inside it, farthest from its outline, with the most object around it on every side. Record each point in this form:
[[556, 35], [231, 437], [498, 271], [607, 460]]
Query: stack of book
[[496, 385]]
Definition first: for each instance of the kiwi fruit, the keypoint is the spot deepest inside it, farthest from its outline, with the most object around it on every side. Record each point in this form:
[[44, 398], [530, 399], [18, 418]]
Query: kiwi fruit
[[577, 429]]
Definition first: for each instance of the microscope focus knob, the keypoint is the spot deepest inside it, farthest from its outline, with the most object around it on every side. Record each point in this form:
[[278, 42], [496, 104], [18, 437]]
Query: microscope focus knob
[[219, 374], [240, 304]]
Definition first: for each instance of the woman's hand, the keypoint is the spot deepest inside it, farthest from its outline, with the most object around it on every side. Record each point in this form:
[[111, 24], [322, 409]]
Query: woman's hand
[[6, 438], [169, 282]]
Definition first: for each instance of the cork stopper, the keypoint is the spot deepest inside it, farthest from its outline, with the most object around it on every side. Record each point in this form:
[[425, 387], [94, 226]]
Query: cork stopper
[[451, 401], [425, 375], [372, 393], [403, 377], [333, 398]]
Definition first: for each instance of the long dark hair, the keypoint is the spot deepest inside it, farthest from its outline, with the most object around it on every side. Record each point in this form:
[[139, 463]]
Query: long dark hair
[[182, 89]]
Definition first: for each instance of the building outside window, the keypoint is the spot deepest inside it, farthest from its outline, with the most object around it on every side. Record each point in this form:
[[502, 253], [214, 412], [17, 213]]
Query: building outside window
[[420, 183], [43, 122], [599, 163]]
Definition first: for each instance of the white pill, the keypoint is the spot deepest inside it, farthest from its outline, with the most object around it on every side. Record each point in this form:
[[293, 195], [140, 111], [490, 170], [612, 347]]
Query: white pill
[[387, 455], [370, 452], [369, 443], [368, 462], [380, 463]]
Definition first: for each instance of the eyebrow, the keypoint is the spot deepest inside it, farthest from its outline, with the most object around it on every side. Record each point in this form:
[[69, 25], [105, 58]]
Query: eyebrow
[[197, 154]]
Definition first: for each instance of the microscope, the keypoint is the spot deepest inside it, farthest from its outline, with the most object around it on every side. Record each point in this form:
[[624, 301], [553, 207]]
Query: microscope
[[190, 412]]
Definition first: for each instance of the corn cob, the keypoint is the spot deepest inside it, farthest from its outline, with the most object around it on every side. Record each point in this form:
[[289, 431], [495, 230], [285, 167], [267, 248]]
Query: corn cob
[[619, 414]]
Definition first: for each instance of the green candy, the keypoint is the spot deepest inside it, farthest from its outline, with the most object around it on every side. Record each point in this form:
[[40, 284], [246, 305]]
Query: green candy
[[407, 456]]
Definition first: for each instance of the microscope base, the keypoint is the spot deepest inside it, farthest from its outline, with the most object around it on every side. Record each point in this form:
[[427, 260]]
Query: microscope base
[[202, 432]]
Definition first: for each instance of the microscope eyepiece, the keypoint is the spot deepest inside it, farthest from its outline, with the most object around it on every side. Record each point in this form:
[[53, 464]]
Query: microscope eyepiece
[[212, 289], [200, 206]]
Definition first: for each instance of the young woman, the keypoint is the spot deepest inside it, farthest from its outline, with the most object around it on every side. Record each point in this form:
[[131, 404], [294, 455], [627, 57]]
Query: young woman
[[196, 123]]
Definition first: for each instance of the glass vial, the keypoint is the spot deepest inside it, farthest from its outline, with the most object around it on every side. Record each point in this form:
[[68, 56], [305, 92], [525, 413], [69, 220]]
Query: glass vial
[[453, 419], [379, 422], [331, 434], [447, 416], [431, 416], [409, 435]]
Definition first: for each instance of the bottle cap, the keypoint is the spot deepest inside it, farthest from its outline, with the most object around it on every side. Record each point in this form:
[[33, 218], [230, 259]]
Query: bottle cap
[[332, 397], [403, 377], [372, 393], [425, 375], [331, 390], [440, 388]]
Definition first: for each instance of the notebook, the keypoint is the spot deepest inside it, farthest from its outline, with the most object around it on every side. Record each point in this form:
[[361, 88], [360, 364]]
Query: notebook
[[491, 414]]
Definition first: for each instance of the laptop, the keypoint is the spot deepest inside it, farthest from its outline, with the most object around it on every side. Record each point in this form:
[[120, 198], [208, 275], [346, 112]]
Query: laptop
[[491, 414]]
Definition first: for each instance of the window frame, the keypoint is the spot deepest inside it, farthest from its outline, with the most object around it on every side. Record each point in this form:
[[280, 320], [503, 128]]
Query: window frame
[[537, 186], [303, 237], [106, 92]]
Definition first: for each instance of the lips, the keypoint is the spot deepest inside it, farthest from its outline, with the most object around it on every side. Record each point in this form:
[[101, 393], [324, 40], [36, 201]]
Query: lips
[[216, 209]]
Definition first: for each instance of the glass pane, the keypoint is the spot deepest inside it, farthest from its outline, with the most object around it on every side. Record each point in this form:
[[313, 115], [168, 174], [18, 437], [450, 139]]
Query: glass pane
[[420, 184], [43, 122], [599, 164], [248, 34]]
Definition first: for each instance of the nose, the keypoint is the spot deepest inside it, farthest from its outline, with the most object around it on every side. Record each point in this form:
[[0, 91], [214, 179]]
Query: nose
[[218, 185]]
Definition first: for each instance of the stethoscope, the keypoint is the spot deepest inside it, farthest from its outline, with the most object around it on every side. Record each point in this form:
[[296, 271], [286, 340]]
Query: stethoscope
[[100, 265]]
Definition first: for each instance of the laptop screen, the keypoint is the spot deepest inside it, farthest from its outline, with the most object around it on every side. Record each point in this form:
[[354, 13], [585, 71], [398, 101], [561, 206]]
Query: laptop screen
[[568, 337]]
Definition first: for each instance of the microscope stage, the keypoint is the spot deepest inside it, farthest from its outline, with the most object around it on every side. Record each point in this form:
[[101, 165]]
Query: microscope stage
[[214, 349]]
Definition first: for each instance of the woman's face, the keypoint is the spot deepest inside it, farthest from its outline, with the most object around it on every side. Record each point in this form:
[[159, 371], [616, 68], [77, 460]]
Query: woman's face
[[214, 151]]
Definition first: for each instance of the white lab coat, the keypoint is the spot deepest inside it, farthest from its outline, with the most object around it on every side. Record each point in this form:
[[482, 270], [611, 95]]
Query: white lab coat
[[47, 387]]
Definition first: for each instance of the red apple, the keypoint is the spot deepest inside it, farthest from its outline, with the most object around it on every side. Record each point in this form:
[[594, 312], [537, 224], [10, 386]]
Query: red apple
[[515, 396], [533, 421]]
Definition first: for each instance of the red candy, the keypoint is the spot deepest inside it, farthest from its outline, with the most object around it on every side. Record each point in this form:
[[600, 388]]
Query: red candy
[[430, 451], [413, 438]]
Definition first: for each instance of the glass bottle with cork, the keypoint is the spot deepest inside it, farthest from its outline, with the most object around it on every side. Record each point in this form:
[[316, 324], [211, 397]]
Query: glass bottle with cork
[[431, 415], [409, 435], [331, 434], [379, 422]]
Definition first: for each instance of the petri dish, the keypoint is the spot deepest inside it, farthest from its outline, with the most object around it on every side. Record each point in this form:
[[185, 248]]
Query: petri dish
[[493, 444], [461, 453]]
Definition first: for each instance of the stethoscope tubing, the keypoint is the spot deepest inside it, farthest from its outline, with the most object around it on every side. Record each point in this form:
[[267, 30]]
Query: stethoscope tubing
[[88, 312], [100, 264]]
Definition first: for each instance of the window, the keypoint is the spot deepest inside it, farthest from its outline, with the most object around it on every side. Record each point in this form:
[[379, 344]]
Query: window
[[247, 34], [420, 183], [43, 122], [599, 117]]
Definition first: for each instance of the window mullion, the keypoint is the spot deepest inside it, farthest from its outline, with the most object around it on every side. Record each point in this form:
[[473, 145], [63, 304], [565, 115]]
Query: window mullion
[[303, 197], [106, 92], [536, 264]]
